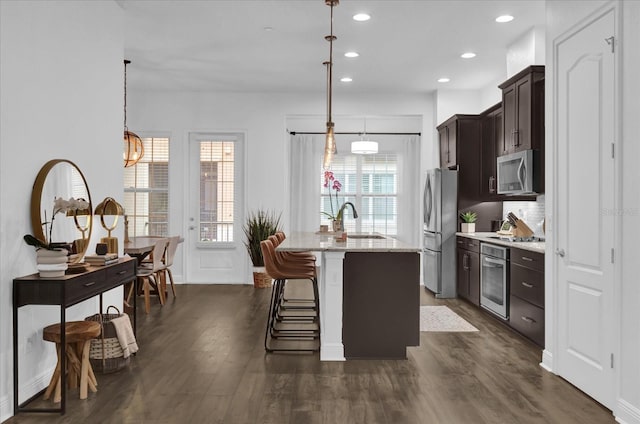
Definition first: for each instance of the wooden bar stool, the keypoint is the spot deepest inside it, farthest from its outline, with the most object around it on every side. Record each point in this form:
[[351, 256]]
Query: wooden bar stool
[[78, 335]]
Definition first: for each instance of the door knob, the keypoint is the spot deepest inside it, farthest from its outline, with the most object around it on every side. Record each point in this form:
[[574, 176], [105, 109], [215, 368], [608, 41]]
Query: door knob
[[192, 227], [560, 252]]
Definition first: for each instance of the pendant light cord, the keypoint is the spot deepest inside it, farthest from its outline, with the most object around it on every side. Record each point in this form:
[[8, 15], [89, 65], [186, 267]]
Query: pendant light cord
[[126, 62]]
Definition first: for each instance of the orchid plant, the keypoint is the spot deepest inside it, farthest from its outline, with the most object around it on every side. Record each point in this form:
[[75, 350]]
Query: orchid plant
[[59, 205], [332, 183]]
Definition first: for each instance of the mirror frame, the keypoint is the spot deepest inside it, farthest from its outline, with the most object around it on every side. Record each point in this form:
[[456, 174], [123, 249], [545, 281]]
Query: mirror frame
[[36, 205]]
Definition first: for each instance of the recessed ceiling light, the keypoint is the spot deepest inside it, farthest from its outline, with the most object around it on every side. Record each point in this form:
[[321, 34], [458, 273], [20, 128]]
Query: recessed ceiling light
[[504, 18], [268, 28], [444, 79], [352, 54], [361, 17], [346, 79], [467, 55]]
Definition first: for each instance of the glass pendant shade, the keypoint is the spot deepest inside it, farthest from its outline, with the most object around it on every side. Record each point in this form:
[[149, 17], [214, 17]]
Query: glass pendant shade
[[329, 147], [364, 147], [133, 149]]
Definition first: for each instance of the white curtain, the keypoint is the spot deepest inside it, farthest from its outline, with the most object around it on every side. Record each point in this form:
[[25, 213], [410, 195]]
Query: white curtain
[[306, 157], [409, 195]]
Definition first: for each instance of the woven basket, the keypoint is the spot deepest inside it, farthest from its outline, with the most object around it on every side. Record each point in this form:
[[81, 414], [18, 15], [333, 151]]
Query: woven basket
[[106, 354], [261, 280]]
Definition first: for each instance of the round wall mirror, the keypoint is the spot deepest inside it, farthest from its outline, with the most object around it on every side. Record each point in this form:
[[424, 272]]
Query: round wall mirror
[[61, 179]]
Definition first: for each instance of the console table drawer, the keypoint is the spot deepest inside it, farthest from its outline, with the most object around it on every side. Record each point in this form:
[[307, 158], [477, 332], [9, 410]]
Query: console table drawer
[[125, 271], [86, 286]]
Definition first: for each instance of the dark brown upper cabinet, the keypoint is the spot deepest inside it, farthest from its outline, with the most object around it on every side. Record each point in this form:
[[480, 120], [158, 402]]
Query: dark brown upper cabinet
[[447, 135], [459, 137], [523, 111], [492, 141]]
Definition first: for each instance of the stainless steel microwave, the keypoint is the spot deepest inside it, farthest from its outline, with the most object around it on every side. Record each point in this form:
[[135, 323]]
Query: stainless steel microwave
[[515, 173]]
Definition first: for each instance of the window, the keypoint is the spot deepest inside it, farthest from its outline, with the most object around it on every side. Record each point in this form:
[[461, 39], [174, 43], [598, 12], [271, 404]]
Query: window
[[370, 182], [217, 187], [146, 190]]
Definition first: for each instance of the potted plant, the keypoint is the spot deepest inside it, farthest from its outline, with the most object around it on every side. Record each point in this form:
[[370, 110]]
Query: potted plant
[[468, 221], [258, 227]]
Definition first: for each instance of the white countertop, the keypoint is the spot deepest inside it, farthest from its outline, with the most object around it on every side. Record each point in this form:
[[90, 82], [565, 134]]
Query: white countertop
[[533, 246], [296, 242]]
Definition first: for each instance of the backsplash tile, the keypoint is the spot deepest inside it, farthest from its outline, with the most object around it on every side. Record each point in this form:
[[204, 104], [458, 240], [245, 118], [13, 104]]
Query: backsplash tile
[[532, 213]]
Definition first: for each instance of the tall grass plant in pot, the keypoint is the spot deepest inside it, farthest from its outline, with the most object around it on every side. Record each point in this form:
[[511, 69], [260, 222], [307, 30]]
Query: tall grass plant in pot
[[259, 226]]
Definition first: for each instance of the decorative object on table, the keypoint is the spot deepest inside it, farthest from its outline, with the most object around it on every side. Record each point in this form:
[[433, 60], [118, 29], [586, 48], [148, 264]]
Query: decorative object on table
[[80, 245], [442, 319], [109, 207], [468, 221], [258, 227], [337, 218], [107, 353], [52, 257], [101, 260], [330, 142], [133, 147], [126, 229], [364, 146], [60, 179], [102, 248]]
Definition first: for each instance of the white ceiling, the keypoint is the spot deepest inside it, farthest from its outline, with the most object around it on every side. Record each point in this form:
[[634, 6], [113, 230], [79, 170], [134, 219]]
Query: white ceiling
[[221, 45]]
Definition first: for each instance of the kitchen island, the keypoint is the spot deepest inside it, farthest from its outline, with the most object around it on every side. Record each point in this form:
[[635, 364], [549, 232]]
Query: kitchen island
[[369, 294]]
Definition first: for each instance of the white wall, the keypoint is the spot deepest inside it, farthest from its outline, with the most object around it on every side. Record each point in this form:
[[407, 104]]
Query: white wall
[[452, 102], [264, 118], [61, 97], [561, 16], [527, 50]]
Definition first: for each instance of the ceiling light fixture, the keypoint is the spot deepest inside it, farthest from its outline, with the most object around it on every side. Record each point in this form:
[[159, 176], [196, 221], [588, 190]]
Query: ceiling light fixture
[[443, 79], [346, 79], [467, 55], [364, 146], [361, 17], [351, 54], [133, 149], [504, 18], [330, 141]]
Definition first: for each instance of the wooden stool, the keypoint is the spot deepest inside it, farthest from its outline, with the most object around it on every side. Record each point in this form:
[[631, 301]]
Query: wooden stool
[[78, 336]]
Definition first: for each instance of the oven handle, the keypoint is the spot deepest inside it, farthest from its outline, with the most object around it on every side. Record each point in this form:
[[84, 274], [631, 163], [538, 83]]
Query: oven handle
[[494, 261]]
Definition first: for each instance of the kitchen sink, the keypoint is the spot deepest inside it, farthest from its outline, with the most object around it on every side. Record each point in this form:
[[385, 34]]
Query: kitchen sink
[[365, 236]]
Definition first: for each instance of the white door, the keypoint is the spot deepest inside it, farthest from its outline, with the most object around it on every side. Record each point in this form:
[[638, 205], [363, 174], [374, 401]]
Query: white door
[[585, 77], [215, 251]]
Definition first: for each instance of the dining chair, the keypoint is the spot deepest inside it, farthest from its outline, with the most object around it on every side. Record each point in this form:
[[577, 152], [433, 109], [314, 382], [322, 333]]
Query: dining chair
[[169, 254], [151, 275]]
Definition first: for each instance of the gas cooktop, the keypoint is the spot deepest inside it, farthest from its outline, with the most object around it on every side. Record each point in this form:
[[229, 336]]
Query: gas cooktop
[[518, 239]]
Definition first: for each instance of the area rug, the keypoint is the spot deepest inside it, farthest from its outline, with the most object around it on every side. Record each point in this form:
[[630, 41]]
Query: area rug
[[441, 318]]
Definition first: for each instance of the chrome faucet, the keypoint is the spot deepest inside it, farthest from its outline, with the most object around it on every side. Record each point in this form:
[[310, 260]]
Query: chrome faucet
[[341, 213]]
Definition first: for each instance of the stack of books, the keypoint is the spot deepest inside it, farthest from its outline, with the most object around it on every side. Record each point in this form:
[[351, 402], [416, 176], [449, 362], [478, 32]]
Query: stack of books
[[101, 260]]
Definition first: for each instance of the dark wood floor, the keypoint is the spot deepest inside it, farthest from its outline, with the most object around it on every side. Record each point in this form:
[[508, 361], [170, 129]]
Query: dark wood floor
[[201, 360]]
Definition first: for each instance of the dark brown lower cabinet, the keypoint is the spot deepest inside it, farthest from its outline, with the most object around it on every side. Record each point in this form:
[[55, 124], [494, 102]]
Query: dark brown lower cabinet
[[468, 269], [526, 311]]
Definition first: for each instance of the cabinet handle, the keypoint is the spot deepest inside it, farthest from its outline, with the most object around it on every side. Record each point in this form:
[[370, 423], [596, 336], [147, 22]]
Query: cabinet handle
[[525, 258], [89, 284], [527, 285], [492, 180], [528, 320], [516, 137], [122, 272], [513, 138]]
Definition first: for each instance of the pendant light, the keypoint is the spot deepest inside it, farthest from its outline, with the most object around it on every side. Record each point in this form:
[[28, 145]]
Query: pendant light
[[364, 146], [133, 149], [330, 141]]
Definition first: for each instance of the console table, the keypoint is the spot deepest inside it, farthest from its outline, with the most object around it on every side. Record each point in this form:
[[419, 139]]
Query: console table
[[65, 291]]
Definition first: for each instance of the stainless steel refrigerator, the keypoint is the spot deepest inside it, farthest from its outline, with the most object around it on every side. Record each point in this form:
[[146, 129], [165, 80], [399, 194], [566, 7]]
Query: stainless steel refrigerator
[[440, 223]]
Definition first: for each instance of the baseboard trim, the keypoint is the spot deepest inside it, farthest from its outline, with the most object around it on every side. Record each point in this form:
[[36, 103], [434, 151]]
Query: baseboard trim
[[27, 390], [332, 352], [627, 413], [547, 361]]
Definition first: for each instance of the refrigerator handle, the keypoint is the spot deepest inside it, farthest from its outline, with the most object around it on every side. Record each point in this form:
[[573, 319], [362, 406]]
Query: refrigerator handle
[[428, 201]]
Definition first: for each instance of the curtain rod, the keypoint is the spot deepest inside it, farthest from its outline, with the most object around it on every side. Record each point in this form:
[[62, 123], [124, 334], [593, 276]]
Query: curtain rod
[[353, 133]]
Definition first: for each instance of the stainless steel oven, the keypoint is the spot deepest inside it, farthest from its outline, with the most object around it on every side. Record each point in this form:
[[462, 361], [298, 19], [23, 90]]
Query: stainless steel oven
[[494, 279]]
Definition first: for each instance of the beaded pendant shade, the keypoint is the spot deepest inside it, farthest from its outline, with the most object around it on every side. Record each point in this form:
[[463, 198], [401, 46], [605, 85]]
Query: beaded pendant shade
[[133, 148]]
